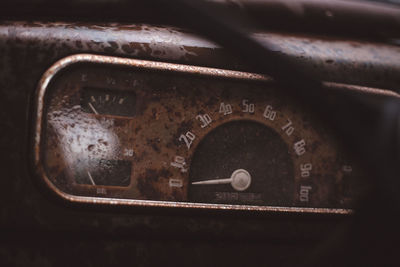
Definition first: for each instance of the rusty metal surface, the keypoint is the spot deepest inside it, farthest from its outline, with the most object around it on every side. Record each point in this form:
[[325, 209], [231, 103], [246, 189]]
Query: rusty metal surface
[[41, 44], [22, 63], [122, 196], [335, 60], [367, 19], [24, 57], [144, 152]]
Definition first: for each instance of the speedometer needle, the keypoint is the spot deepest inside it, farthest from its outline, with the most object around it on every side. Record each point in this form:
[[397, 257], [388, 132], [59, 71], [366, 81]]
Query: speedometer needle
[[240, 180], [215, 181]]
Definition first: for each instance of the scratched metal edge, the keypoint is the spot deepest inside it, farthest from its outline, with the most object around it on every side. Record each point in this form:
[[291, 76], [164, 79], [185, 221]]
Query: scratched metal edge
[[166, 67]]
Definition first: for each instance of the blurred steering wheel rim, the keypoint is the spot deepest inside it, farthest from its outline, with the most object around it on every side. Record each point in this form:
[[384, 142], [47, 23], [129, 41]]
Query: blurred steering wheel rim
[[385, 152]]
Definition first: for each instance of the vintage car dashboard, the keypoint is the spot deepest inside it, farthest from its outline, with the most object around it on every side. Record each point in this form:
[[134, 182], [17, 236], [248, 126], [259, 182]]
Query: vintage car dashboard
[[131, 132], [146, 143]]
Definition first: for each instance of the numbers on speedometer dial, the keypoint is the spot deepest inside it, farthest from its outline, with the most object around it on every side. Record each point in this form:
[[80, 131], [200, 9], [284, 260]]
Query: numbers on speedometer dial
[[188, 139], [253, 153]]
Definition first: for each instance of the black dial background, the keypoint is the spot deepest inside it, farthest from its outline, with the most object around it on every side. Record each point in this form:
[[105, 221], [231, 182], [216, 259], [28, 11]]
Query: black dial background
[[245, 145]]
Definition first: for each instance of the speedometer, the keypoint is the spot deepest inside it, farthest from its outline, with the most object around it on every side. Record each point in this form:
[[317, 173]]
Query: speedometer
[[138, 133]]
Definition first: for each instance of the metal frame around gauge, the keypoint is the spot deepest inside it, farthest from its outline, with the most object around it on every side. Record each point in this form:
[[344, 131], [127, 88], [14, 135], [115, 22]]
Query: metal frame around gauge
[[162, 67]]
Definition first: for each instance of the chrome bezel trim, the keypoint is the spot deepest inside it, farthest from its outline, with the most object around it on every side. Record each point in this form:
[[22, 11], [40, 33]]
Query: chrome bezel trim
[[163, 67]]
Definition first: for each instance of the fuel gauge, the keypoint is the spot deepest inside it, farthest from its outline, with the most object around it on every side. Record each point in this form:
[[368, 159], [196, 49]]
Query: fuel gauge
[[107, 102], [103, 172]]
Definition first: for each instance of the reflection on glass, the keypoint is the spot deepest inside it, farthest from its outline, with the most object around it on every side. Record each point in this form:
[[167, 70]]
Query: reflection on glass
[[89, 148]]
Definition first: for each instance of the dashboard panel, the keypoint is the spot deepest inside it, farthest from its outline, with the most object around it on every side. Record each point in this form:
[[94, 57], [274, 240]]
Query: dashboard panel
[[130, 132], [115, 221]]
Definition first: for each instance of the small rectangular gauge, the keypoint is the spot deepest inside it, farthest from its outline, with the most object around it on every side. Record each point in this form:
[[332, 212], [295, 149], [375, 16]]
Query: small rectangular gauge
[[108, 102], [104, 172]]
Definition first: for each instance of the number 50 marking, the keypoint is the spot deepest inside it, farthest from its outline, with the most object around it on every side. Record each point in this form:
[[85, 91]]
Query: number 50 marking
[[247, 107]]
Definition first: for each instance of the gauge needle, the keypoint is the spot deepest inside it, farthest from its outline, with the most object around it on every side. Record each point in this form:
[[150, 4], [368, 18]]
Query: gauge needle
[[91, 178], [93, 109], [240, 180], [215, 181]]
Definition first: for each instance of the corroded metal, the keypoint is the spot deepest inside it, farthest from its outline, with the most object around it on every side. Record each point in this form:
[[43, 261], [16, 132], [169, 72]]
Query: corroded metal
[[350, 61], [168, 68], [24, 59]]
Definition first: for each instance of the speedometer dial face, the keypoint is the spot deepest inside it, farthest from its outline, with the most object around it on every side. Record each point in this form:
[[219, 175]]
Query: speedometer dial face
[[187, 137], [247, 163]]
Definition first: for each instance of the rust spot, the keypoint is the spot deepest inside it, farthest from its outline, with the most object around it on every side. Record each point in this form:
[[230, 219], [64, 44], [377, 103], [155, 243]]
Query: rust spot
[[154, 144], [129, 48], [154, 113], [79, 44], [138, 129], [148, 183], [113, 46]]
